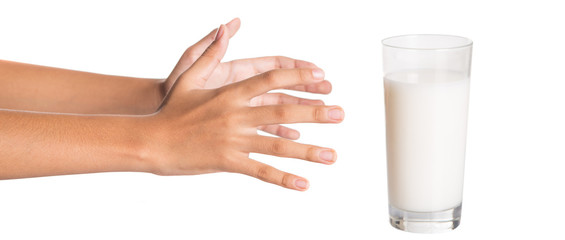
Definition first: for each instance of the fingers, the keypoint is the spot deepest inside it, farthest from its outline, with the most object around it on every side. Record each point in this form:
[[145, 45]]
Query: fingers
[[200, 71], [281, 98], [280, 131], [277, 99], [247, 68], [233, 26], [276, 79], [281, 147], [265, 64], [280, 114], [323, 87], [272, 175], [190, 55], [195, 51]]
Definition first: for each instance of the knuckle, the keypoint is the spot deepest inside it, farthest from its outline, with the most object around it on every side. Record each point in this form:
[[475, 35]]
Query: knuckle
[[280, 130], [230, 120], [281, 113], [228, 95], [280, 98], [279, 147], [227, 140], [233, 118], [285, 180], [271, 77], [223, 93], [192, 58], [310, 88], [159, 170], [284, 62], [318, 114], [305, 74], [188, 51], [262, 173], [278, 63], [311, 153], [190, 55]]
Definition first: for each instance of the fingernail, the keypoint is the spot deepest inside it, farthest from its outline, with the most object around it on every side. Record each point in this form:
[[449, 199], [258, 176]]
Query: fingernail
[[220, 32], [327, 155], [335, 114], [301, 184], [318, 74]]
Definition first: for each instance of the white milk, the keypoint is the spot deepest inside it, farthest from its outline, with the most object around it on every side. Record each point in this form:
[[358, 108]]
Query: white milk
[[426, 125]]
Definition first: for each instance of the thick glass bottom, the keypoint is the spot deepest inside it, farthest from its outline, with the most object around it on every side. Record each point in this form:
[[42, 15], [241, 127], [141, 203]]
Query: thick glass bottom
[[425, 222]]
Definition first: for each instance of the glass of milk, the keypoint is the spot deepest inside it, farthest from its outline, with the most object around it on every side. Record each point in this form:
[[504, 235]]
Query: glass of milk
[[426, 83]]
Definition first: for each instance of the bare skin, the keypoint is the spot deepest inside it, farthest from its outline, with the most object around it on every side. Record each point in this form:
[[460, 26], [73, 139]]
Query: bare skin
[[202, 119]]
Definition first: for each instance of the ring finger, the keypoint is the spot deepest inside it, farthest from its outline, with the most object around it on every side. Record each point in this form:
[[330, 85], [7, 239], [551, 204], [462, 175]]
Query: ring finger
[[281, 131], [281, 98], [286, 148]]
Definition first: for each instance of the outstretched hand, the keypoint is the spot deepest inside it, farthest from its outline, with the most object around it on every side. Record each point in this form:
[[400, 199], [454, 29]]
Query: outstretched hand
[[208, 121], [233, 71]]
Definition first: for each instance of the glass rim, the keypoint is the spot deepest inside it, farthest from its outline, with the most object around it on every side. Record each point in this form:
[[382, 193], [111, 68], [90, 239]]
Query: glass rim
[[468, 41]]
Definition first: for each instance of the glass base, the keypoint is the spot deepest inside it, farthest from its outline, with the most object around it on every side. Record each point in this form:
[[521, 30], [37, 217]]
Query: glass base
[[425, 222]]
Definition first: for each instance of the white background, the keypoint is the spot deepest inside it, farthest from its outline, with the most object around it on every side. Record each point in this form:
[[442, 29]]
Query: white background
[[515, 158]]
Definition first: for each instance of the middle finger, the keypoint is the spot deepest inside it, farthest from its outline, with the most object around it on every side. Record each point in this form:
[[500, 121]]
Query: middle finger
[[281, 98], [279, 114], [281, 147]]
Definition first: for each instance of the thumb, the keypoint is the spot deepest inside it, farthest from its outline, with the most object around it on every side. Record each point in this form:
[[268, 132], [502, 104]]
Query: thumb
[[197, 75], [195, 51]]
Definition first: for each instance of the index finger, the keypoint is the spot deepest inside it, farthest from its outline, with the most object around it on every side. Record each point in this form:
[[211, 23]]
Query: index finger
[[196, 50], [277, 79], [197, 75]]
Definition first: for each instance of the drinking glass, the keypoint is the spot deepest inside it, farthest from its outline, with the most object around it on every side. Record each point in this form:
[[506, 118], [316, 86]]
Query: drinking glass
[[426, 84]]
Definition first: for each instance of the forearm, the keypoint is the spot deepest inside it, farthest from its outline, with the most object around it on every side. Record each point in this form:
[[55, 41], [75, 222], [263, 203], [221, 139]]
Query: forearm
[[46, 89], [39, 144]]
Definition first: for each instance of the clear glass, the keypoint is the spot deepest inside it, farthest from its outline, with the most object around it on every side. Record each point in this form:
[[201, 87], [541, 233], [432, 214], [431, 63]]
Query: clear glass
[[426, 83]]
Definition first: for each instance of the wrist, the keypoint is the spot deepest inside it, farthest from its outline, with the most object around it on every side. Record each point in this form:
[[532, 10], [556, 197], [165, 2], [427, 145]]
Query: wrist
[[133, 143], [141, 145], [154, 96]]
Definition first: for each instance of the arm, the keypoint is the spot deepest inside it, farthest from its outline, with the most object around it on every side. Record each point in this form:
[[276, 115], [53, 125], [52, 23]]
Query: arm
[[43, 144], [195, 131], [46, 89]]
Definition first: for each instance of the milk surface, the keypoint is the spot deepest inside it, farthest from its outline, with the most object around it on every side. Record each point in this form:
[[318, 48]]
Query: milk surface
[[426, 124]]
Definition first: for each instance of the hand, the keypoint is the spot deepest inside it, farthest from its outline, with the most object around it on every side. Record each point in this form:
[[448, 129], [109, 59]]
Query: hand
[[211, 130], [229, 72]]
